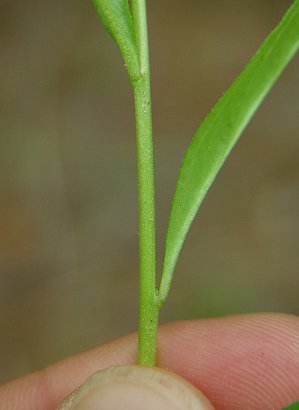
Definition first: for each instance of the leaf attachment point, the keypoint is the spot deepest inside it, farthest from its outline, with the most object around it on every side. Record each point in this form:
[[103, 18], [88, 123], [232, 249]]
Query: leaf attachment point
[[117, 18]]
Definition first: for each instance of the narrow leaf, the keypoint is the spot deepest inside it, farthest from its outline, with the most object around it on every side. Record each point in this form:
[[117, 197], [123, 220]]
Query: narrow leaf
[[117, 19], [219, 132], [293, 406]]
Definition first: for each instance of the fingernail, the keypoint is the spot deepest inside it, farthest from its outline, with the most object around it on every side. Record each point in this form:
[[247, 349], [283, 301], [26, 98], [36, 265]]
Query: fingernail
[[136, 388]]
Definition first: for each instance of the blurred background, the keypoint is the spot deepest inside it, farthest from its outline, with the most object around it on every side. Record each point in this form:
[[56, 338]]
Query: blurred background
[[68, 213]]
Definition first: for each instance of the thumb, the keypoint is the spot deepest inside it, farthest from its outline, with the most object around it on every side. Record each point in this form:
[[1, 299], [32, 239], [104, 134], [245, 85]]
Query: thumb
[[136, 388]]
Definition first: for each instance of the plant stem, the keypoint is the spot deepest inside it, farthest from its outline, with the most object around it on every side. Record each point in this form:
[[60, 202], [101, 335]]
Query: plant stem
[[148, 305]]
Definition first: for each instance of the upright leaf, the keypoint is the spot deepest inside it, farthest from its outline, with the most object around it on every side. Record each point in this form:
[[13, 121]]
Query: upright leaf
[[220, 130], [117, 19]]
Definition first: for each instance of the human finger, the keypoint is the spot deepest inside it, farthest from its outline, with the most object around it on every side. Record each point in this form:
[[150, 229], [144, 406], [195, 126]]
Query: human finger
[[238, 362]]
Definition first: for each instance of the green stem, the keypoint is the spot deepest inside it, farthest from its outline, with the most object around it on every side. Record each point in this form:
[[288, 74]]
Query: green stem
[[148, 305]]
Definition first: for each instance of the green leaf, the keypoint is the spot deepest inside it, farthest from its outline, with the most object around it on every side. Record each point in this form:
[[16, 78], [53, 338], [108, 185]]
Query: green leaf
[[219, 132], [117, 19], [293, 406]]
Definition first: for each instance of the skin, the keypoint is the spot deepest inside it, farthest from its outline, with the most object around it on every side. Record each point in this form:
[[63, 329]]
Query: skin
[[246, 362]]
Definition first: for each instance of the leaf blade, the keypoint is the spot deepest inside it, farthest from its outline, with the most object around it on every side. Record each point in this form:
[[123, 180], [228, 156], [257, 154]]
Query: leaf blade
[[293, 406], [117, 19], [220, 130]]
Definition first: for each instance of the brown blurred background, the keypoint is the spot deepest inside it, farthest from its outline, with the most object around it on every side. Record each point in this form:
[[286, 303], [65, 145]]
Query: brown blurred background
[[68, 215]]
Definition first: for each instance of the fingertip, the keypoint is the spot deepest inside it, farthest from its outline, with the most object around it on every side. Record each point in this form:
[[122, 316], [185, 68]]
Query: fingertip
[[136, 388]]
